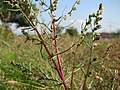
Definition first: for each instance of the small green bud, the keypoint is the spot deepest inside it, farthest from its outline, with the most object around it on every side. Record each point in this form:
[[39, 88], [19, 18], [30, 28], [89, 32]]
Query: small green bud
[[55, 3], [88, 22], [94, 59], [41, 3], [101, 7], [97, 38], [99, 18], [92, 15], [99, 12], [85, 29], [74, 9], [78, 1], [95, 28], [89, 74], [70, 13], [99, 26], [81, 31]]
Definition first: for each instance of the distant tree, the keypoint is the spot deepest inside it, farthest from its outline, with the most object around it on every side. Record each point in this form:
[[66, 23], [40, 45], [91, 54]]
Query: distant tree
[[72, 31], [11, 16], [117, 33], [59, 30]]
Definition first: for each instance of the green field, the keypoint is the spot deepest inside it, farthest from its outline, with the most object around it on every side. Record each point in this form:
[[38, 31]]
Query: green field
[[26, 66], [54, 56]]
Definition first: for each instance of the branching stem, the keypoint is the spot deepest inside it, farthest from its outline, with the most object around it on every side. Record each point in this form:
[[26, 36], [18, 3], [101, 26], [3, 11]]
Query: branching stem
[[57, 67]]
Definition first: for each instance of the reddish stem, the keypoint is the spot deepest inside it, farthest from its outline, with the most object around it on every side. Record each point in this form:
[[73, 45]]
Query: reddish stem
[[72, 77], [56, 49], [58, 57], [60, 73]]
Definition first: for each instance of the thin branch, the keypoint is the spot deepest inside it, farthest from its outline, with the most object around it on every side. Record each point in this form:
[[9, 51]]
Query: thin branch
[[65, 50]]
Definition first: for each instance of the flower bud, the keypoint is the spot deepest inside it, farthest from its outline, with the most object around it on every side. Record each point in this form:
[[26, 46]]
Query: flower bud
[[78, 1], [101, 7]]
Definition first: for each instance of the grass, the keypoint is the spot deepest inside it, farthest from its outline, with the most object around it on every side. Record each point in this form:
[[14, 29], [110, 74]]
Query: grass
[[21, 65], [38, 65]]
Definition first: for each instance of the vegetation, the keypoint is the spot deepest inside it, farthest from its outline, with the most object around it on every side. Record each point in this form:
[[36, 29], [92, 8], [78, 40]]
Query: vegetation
[[6, 33], [8, 12], [22, 68], [45, 61], [72, 31]]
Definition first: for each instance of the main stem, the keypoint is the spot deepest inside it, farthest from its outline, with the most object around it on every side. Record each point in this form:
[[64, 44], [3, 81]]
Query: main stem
[[58, 57], [59, 69], [56, 48]]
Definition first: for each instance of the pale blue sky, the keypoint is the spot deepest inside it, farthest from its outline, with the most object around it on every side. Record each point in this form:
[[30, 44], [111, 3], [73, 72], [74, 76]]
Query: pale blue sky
[[111, 14]]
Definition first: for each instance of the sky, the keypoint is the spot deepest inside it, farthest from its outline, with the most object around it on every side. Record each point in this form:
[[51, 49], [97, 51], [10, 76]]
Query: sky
[[111, 13]]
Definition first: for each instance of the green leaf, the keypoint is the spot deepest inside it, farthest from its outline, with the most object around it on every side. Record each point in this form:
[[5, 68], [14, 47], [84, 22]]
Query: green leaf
[[13, 10]]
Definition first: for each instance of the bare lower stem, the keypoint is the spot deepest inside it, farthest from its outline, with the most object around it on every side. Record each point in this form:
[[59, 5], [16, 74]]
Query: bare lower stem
[[58, 57]]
